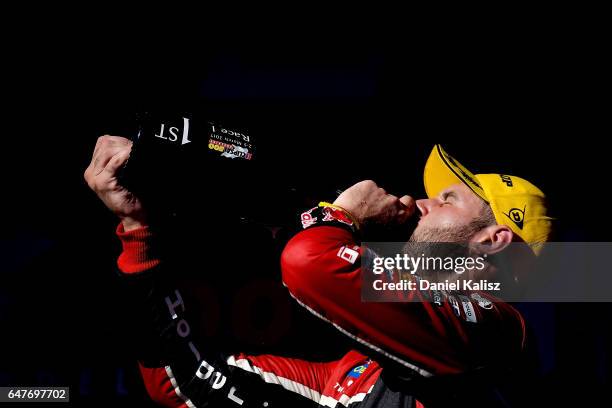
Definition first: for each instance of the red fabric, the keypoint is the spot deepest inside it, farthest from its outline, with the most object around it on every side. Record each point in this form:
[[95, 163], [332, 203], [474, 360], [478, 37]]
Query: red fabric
[[329, 379], [159, 387], [137, 255], [343, 384], [311, 375], [430, 338]]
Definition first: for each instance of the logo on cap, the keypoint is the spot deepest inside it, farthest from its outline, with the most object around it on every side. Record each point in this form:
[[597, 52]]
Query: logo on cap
[[506, 179], [517, 216]]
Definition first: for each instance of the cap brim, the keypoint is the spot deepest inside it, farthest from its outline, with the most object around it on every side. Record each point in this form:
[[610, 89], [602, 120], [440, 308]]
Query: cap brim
[[442, 171]]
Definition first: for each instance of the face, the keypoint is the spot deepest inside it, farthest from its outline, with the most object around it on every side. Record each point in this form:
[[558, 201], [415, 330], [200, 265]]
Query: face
[[448, 217]]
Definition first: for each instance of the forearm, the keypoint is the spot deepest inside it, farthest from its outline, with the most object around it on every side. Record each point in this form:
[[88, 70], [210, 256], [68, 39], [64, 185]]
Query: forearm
[[173, 362], [178, 365]]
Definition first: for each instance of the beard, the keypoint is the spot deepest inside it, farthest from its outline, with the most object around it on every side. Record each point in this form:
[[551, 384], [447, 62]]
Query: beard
[[453, 242], [454, 234]]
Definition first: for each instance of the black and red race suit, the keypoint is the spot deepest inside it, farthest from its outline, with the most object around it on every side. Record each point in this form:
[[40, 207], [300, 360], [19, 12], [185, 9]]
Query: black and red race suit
[[426, 339]]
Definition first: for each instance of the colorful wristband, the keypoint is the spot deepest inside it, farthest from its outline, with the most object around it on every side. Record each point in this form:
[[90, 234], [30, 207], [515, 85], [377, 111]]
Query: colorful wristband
[[337, 207]]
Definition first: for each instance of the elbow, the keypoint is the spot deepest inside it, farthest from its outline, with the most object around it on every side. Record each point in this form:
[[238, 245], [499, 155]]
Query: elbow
[[313, 259], [294, 264]]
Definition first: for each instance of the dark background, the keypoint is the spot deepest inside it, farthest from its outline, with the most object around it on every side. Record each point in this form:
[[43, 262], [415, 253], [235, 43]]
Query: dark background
[[324, 117]]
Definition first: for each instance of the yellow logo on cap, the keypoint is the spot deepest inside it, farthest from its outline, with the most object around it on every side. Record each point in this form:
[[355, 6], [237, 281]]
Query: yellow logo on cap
[[517, 216]]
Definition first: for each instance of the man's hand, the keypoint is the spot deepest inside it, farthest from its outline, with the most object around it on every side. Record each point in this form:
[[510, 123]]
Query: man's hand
[[110, 154], [370, 204]]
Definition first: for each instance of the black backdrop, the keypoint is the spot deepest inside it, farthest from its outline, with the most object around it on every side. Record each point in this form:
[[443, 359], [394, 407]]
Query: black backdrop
[[323, 118]]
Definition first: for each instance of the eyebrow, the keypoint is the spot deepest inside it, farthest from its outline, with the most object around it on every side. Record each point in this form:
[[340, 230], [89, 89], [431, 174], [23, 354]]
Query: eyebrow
[[448, 194]]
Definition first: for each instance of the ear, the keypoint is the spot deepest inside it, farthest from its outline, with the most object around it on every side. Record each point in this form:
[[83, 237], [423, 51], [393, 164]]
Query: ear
[[493, 239]]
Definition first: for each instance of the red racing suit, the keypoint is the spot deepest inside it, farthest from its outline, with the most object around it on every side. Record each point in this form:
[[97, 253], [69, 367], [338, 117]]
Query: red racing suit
[[426, 340], [460, 332]]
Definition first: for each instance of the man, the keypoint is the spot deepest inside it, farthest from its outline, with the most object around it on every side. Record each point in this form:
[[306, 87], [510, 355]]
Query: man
[[419, 342]]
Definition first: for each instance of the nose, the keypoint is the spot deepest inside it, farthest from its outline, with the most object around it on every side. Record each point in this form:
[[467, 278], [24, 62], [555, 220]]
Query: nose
[[425, 205]]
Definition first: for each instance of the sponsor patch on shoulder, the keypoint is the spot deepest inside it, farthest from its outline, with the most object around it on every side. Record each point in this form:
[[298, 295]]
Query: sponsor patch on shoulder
[[455, 305], [482, 302], [348, 254], [437, 297], [468, 309]]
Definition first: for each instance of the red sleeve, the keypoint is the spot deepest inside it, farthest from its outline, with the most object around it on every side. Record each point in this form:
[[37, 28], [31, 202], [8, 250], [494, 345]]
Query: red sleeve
[[138, 254], [194, 374], [425, 337]]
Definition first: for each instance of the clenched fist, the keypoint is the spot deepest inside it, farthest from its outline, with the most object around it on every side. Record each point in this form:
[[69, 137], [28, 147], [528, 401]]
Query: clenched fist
[[370, 204], [110, 154]]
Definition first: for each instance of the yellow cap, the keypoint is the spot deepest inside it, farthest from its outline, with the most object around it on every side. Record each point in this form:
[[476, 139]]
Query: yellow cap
[[515, 202]]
